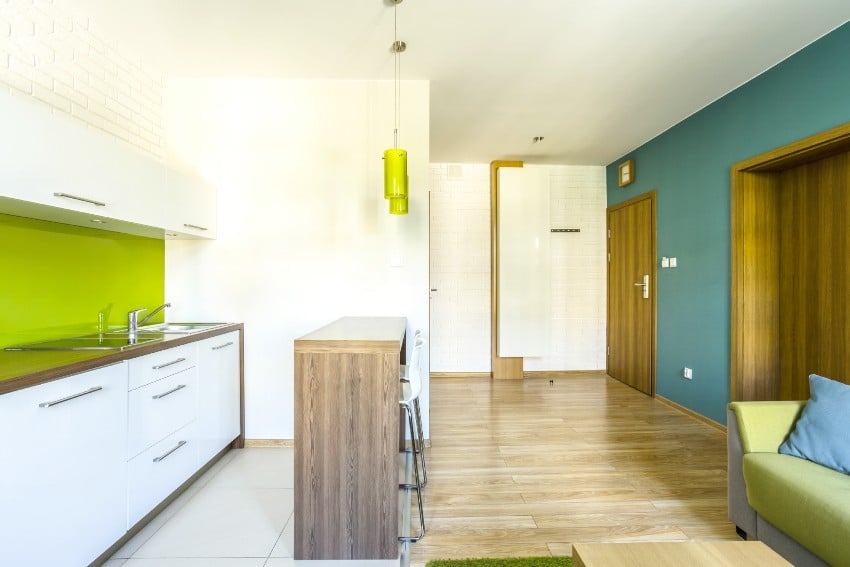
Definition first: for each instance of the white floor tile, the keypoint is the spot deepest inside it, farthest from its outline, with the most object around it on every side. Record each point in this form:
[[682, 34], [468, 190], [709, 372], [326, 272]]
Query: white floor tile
[[259, 467], [196, 562], [280, 562], [114, 563], [223, 522], [129, 548], [285, 545]]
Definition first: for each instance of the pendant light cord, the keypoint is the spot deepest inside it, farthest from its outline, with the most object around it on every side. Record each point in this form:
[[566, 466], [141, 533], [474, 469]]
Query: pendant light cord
[[397, 78]]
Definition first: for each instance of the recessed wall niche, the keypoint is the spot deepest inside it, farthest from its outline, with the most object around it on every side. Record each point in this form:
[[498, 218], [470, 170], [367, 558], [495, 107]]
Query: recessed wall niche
[[790, 276]]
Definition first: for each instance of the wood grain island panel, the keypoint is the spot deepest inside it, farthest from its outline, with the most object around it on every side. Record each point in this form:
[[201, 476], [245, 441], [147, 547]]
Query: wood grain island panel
[[346, 439]]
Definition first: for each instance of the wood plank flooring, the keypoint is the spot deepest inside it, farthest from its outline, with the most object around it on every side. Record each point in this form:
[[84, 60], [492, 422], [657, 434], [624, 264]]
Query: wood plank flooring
[[521, 468]]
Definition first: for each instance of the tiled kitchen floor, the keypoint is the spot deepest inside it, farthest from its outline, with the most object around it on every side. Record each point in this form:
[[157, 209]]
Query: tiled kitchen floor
[[238, 514]]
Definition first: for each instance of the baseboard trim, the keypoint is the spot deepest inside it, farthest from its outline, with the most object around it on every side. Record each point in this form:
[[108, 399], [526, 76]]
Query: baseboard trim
[[442, 375], [552, 374], [691, 413], [270, 443], [284, 443]]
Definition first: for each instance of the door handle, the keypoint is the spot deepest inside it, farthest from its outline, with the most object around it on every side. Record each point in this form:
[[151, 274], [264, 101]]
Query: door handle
[[645, 285]]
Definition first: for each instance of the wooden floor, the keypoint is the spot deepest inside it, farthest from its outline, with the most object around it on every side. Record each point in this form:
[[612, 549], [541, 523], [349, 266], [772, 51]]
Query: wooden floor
[[520, 468]]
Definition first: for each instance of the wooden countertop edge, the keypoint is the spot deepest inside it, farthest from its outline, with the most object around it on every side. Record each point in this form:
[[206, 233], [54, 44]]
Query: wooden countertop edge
[[348, 345], [56, 372]]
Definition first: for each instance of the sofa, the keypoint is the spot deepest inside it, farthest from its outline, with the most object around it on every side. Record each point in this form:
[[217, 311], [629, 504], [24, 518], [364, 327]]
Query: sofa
[[797, 507]]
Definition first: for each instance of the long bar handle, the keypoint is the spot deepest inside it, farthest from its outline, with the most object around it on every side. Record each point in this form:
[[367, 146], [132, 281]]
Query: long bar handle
[[78, 198], [167, 453], [222, 346], [169, 392], [645, 285], [71, 397], [161, 366], [195, 226]]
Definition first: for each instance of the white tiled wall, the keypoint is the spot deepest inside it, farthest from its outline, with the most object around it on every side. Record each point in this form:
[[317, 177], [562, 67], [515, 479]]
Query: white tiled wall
[[460, 269], [62, 62]]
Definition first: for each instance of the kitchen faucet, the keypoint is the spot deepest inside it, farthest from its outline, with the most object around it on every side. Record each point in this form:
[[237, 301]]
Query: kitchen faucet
[[133, 322]]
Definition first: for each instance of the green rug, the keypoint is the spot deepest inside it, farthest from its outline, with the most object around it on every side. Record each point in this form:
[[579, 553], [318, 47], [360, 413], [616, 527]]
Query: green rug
[[504, 562]]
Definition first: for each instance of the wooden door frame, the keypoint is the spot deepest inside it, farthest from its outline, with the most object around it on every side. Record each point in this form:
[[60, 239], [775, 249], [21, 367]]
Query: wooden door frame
[[754, 372], [652, 197], [501, 367]]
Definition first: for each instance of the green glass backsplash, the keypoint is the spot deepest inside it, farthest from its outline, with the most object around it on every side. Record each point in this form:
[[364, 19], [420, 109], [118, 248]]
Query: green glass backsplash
[[56, 278]]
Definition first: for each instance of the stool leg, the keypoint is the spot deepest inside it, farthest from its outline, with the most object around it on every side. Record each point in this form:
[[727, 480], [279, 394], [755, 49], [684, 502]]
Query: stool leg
[[421, 441], [417, 485]]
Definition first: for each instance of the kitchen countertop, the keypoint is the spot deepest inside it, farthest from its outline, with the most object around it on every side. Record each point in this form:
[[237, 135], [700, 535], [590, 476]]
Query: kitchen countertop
[[22, 369]]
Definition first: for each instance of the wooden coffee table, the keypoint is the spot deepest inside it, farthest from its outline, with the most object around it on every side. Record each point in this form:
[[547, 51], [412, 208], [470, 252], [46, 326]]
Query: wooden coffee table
[[675, 554]]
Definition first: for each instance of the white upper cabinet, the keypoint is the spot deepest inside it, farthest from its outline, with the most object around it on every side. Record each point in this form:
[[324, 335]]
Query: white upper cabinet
[[54, 168]]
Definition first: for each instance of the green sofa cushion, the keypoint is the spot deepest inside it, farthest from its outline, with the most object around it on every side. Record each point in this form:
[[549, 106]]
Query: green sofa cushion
[[807, 501], [765, 425]]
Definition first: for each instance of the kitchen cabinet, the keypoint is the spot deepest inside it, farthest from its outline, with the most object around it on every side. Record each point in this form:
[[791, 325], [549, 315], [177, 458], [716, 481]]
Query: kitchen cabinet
[[192, 205], [219, 407], [54, 168], [63, 473], [162, 447]]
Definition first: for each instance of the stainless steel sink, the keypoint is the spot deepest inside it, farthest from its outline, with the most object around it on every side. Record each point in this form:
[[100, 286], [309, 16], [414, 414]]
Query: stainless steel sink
[[179, 327], [106, 341]]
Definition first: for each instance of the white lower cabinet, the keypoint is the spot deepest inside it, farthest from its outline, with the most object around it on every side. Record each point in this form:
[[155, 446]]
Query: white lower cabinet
[[87, 456], [63, 480], [157, 472], [219, 408]]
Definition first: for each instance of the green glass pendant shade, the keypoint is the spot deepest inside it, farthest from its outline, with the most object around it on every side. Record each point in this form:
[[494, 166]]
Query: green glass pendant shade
[[398, 206], [395, 179]]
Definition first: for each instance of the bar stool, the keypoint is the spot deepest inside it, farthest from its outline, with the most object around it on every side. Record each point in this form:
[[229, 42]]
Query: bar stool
[[419, 448], [408, 401]]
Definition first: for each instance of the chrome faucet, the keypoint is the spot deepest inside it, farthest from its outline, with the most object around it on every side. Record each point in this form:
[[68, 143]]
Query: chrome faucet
[[133, 322]]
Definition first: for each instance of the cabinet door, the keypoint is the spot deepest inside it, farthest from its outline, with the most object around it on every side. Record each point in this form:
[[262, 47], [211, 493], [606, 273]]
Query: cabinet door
[[63, 476], [191, 206], [219, 394]]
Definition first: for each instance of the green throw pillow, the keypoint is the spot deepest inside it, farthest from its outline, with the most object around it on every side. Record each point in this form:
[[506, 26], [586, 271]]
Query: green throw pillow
[[820, 435]]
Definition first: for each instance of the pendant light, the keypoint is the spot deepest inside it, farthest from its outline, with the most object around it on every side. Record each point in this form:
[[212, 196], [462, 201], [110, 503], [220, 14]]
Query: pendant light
[[395, 158]]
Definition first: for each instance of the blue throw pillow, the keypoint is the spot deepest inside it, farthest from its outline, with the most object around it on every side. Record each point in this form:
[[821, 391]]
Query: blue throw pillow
[[821, 433]]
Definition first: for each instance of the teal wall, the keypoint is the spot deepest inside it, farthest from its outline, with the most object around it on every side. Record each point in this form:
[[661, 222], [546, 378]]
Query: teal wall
[[56, 278], [688, 166]]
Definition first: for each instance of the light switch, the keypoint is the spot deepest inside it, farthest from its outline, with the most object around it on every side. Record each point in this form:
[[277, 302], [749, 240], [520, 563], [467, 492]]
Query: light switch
[[665, 262], [673, 262]]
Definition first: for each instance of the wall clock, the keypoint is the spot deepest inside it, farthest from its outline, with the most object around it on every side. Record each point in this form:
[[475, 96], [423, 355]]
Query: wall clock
[[626, 173]]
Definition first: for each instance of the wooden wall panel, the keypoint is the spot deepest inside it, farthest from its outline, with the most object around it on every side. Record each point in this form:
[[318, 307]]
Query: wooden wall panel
[[814, 274], [755, 286]]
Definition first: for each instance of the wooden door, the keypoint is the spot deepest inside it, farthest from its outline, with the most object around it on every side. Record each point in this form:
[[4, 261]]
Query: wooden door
[[631, 292]]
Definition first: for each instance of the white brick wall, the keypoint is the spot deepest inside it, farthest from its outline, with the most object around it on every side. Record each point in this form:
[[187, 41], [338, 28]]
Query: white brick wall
[[460, 269], [62, 62]]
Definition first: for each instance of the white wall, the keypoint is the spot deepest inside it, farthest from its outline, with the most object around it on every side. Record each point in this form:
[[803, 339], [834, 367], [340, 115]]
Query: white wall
[[460, 269], [304, 236], [63, 62]]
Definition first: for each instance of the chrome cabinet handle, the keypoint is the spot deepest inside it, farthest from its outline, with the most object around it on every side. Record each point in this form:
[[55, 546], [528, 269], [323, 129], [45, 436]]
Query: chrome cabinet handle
[[167, 453], [71, 397], [195, 226], [222, 346], [78, 198], [160, 366], [169, 392]]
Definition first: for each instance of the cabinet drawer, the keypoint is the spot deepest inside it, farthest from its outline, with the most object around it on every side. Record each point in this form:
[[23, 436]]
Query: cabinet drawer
[[158, 471], [151, 367], [160, 408]]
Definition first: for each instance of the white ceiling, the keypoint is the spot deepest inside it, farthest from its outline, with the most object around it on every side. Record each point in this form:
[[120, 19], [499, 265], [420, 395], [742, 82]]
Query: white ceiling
[[596, 78]]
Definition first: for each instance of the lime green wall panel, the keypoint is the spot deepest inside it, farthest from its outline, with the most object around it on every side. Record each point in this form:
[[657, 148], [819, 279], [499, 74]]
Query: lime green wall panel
[[56, 278]]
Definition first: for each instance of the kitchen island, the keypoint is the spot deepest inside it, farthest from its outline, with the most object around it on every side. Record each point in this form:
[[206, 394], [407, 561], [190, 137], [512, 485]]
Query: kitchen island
[[347, 435]]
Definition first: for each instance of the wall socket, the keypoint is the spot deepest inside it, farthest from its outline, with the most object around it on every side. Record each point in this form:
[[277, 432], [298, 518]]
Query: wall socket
[[688, 373]]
